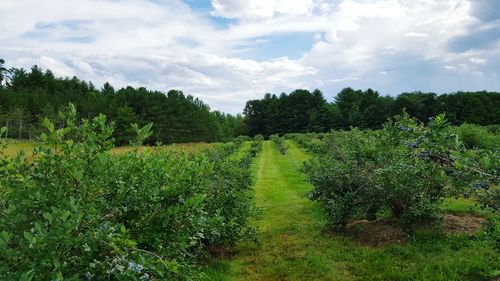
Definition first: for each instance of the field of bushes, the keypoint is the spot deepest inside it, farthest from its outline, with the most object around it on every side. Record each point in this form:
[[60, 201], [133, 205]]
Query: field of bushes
[[73, 207], [76, 211]]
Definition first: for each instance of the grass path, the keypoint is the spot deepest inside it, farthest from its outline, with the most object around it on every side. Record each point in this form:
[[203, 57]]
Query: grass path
[[288, 249], [294, 247], [242, 149]]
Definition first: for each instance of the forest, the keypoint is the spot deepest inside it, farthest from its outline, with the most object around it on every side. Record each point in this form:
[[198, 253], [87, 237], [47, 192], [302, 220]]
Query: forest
[[304, 111], [29, 96], [26, 97]]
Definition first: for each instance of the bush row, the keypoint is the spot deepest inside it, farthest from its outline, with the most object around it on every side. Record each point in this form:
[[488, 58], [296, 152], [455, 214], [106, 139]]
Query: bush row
[[279, 143], [479, 137], [404, 169], [73, 211], [309, 141]]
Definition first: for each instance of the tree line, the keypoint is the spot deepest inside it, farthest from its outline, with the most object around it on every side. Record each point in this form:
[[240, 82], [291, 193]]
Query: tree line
[[304, 111], [28, 96]]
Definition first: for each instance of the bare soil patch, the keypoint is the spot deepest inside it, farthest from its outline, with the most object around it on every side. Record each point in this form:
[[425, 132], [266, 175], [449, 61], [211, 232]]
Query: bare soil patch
[[383, 232], [376, 233], [221, 251], [461, 223]]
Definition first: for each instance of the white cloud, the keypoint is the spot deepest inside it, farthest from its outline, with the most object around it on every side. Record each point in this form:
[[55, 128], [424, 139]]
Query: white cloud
[[255, 9], [416, 34], [56, 66], [397, 45], [478, 60]]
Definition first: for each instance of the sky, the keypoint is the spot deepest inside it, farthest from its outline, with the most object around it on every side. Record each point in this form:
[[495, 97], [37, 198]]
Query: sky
[[229, 51]]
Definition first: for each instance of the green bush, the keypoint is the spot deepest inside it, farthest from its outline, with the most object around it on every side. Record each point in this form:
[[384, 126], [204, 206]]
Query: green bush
[[74, 211], [255, 148], [309, 141], [474, 136], [258, 137], [406, 168], [279, 143], [494, 129], [241, 139]]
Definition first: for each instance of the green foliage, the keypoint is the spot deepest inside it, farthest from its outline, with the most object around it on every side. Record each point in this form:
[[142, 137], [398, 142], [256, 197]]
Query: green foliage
[[255, 148], [309, 141], [258, 137], [241, 139], [124, 119], [32, 95], [406, 168], [29, 96], [302, 111], [74, 211], [474, 136], [364, 109], [279, 143]]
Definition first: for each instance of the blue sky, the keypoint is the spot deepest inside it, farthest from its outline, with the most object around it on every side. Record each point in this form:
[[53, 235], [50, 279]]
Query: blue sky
[[229, 51]]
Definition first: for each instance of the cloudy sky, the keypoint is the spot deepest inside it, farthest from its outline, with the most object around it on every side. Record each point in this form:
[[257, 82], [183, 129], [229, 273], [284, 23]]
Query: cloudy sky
[[229, 51]]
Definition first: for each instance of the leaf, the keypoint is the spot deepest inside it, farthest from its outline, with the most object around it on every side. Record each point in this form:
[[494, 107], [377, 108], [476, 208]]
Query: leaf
[[47, 124], [64, 215], [48, 217], [28, 236], [5, 236], [27, 276], [43, 137]]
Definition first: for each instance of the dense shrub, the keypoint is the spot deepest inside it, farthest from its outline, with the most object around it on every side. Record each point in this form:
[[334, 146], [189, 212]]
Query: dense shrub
[[241, 139], [279, 143], [494, 129], [474, 136], [258, 137], [74, 211], [255, 148], [309, 141], [406, 168]]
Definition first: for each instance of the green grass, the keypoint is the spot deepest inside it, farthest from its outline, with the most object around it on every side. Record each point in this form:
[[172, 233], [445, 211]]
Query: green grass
[[461, 206], [15, 146], [186, 147], [294, 245], [242, 149]]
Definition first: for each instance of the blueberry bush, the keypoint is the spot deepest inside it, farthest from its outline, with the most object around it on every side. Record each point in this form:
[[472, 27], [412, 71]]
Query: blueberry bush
[[405, 169], [279, 143], [73, 211], [309, 141]]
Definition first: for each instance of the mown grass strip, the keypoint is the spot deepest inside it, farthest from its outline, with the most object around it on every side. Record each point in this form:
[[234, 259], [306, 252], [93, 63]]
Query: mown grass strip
[[241, 151], [294, 245]]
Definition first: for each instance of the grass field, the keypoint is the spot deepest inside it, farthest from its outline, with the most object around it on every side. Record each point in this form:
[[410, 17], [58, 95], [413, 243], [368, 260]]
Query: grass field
[[186, 147], [15, 146], [294, 245]]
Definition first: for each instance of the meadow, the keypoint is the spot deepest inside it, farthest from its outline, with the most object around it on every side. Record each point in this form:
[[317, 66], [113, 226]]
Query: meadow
[[15, 146]]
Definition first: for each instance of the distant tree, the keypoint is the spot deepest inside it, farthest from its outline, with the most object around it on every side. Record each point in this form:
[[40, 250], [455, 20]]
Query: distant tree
[[417, 104], [107, 89], [300, 111], [124, 119], [3, 71], [17, 119], [30, 95]]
